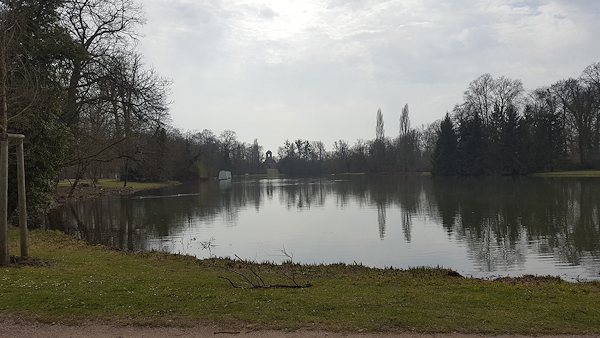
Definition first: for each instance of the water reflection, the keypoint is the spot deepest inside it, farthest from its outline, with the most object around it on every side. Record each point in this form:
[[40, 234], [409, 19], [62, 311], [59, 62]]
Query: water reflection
[[501, 219], [500, 224]]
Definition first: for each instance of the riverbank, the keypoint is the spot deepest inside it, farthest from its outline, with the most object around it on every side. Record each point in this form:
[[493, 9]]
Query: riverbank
[[74, 283], [86, 189], [575, 173]]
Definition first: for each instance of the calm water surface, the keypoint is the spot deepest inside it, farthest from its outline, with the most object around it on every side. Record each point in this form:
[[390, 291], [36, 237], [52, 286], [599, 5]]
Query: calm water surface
[[481, 227]]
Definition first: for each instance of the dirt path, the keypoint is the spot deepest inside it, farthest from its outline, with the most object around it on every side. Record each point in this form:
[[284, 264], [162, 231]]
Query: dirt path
[[10, 329]]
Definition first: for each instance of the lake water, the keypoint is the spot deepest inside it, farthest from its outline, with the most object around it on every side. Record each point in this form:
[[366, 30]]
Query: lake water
[[480, 227]]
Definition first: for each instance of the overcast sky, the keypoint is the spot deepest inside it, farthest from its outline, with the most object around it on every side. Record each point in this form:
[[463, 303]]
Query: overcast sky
[[320, 69]]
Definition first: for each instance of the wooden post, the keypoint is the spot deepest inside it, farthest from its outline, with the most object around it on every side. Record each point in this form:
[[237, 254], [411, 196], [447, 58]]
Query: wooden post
[[22, 200], [4, 255]]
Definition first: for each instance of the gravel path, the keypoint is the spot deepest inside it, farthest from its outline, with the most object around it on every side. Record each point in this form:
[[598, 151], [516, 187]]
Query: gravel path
[[10, 329]]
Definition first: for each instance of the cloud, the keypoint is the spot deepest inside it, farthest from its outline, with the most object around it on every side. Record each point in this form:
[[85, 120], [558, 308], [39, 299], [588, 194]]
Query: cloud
[[274, 65], [268, 13]]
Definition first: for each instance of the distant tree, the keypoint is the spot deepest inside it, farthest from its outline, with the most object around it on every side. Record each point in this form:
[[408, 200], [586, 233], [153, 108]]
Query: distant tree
[[379, 130], [487, 96], [301, 157], [511, 150], [228, 139], [256, 157], [319, 151], [472, 147], [429, 136], [591, 78], [404, 121], [205, 151], [288, 150], [444, 154], [304, 149], [360, 152], [408, 150], [581, 106], [342, 155], [545, 121], [240, 159], [378, 148]]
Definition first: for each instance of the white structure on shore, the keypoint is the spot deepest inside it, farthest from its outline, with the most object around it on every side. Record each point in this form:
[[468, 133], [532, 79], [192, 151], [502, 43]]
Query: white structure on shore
[[224, 175]]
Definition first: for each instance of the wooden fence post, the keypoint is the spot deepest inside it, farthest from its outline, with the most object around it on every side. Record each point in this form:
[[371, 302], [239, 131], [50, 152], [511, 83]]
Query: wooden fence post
[[4, 255], [22, 199]]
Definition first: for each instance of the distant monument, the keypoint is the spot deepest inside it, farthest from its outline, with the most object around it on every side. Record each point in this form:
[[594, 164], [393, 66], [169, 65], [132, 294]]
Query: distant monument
[[270, 165], [269, 161]]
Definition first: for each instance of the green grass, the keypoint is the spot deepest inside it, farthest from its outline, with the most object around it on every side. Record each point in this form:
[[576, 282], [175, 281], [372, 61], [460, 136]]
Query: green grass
[[273, 172], [270, 173], [85, 282], [110, 183], [579, 173]]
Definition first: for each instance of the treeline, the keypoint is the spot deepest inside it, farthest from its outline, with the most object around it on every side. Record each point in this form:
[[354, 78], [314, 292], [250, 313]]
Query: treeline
[[410, 151], [200, 155], [501, 129]]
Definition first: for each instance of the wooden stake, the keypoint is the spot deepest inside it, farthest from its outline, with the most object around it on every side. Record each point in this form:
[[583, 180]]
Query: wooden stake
[[22, 200], [4, 255]]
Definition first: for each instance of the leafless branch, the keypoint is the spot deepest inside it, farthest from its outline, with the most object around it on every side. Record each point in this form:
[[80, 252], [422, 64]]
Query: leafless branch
[[261, 284]]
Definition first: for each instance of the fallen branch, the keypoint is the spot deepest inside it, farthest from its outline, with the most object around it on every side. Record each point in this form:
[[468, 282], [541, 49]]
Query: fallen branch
[[269, 286], [258, 282]]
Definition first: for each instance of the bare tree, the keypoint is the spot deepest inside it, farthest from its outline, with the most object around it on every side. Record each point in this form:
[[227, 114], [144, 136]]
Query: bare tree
[[126, 107], [342, 154], [486, 96], [591, 77], [113, 101], [318, 150], [100, 27], [579, 103]]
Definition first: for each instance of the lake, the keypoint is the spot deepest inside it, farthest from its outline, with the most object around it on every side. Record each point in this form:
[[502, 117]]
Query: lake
[[480, 227]]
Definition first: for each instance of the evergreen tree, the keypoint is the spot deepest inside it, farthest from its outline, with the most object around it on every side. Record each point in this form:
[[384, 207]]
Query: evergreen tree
[[472, 148], [35, 47], [444, 155], [511, 142]]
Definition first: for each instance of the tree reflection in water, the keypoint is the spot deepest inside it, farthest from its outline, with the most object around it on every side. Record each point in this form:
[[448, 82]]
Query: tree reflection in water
[[501, 220]]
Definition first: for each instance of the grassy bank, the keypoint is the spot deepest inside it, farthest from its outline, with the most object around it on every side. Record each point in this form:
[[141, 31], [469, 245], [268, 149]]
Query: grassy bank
[[577, 173], [109, 183], [86, 189], [76, 282]]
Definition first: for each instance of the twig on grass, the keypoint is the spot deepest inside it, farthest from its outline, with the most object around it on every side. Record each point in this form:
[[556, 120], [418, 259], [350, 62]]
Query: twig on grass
[[260, 284], [269, 286]]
